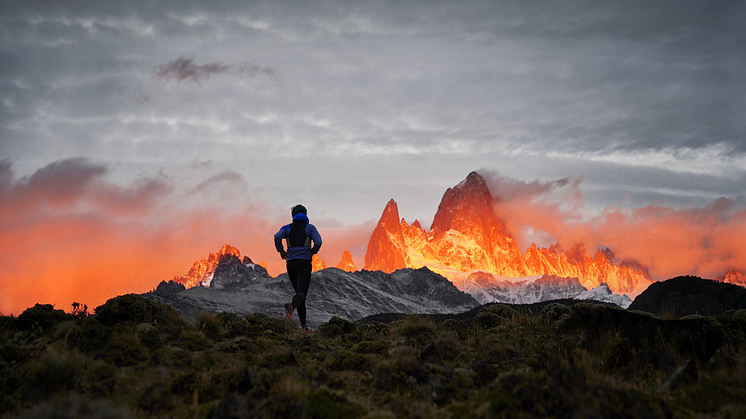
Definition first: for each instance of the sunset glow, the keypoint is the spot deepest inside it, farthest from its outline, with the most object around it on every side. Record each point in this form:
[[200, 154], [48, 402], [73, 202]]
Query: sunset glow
[[139, 138], [70, 235]]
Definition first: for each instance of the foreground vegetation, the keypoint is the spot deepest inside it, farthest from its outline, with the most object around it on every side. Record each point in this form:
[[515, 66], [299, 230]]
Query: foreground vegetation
[[136, 358]]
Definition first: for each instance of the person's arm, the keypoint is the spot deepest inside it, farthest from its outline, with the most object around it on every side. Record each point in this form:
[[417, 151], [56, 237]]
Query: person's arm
[[278, 243], [316, 238]]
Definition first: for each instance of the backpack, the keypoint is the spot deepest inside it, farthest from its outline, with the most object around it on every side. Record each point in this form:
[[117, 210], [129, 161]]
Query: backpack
[[297, 236]]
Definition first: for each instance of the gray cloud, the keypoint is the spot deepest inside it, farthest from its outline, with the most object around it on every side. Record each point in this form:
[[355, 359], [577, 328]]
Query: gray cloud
[[398, 99], [76, 186], [183, 68]]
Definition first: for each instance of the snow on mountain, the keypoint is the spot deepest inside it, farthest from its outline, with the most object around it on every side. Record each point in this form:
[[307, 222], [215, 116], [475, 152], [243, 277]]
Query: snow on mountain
[[487, 287], [202, 271], [603, 293], [232, 273]]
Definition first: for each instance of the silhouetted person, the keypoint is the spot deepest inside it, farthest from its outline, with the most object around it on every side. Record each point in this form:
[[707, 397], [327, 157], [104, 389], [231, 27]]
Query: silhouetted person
[[299, 235]]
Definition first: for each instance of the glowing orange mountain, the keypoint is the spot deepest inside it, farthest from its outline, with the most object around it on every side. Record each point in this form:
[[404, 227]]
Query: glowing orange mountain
[[387, 250], [466, 236], [202, 270], [733, 276], [317, 264], [346, 264]]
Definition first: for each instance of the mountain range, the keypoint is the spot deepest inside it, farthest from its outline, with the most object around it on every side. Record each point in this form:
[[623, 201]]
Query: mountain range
[[467, 246], [240, 286]]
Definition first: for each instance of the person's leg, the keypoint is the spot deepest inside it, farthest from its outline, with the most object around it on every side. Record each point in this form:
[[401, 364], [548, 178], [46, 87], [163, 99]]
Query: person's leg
[[293, 269], [303, 281]]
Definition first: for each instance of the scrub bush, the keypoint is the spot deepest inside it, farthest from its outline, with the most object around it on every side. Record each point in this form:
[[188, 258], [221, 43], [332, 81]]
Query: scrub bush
[[260, 323], [53, 371], [494, 315], [209, 324], [42, 315], [337, 327], [137, 309], [233, 325], [595, 362], [416, 330], [327, 405], [556, 312]]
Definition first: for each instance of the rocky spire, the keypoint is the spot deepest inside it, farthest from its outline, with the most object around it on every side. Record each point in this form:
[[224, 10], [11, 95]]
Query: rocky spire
[[387, 250], [466, 236], [466, 208], [346, 264], [203, 270]]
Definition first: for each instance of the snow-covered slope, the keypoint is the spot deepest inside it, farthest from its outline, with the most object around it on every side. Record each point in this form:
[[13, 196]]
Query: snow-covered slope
[[604, 294], [486, 287], [201, 272]]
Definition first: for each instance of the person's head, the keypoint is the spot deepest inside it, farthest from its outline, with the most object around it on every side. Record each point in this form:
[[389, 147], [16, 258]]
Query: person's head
[[298, 209]]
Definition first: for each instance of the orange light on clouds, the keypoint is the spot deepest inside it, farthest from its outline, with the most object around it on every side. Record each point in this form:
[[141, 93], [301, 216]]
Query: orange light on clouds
[[68, 234], [670, 242]]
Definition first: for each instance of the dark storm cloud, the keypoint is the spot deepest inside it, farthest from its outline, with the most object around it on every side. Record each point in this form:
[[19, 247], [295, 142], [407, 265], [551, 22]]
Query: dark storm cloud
[[184, 68], [58, 183], [75, 185]]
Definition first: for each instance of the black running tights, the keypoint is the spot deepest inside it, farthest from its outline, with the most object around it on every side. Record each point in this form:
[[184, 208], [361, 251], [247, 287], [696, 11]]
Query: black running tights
[[299, 271]]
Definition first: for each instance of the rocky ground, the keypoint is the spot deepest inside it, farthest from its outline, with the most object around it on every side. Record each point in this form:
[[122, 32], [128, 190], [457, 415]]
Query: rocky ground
[[333, 292]]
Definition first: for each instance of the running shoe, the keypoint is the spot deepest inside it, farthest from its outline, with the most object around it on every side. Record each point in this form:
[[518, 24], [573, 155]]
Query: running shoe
[[289, 311]]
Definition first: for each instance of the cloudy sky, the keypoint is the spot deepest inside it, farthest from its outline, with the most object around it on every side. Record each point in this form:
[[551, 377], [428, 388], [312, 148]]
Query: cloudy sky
[[136, 137]]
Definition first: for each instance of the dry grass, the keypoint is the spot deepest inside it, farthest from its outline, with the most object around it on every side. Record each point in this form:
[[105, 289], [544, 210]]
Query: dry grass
[[502, 364], [209, 324]]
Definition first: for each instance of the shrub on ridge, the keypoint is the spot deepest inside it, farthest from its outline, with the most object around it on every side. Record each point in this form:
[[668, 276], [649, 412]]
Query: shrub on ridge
[[137, 309]]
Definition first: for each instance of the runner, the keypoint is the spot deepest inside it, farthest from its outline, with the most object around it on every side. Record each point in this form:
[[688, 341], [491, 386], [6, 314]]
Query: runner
[[299, 236]]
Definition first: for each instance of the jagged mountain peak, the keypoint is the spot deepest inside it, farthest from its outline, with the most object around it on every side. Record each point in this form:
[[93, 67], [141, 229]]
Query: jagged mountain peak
[[391, 211], [347, 264], [229, 250], [203, 270], [317, 264], [233, 273], [467, 236], [465, 206], [389, 220], [473, 181], [387, 249], [733, 276]]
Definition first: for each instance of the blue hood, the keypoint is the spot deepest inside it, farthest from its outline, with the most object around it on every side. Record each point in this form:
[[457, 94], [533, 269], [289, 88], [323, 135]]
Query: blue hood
[[301, 216]]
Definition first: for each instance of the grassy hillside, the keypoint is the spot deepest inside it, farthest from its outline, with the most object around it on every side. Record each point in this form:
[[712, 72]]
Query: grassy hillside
[[136, 358]]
